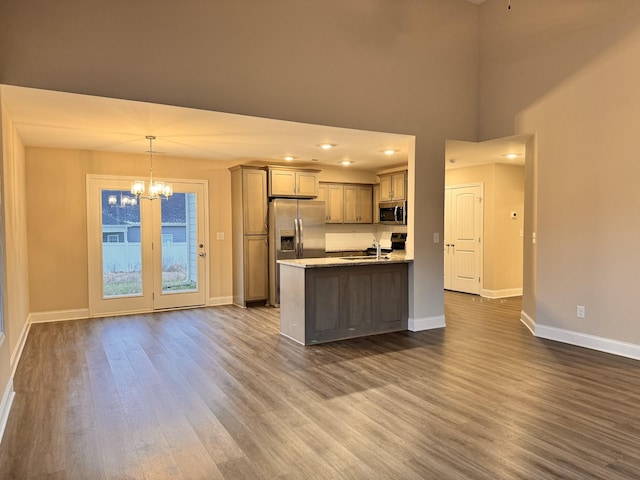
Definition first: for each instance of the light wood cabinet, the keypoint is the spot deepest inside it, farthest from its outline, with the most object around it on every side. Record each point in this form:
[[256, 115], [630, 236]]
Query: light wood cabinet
[[256, 268], [376, 201], [307, 184], [393, 186], [358, 204], [347, 203], [293, 183], [331, 194], [254, 202], [250, 256]]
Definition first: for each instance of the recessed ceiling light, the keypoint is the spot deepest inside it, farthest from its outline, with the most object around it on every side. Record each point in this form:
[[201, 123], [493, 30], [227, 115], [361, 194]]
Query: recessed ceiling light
[[389, 151], [346, 162], [327, 146], [511, 155], [289, 158]]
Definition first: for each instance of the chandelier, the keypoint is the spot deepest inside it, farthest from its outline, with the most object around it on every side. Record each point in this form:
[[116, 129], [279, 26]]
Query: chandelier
[[125, 201], [156, 189]]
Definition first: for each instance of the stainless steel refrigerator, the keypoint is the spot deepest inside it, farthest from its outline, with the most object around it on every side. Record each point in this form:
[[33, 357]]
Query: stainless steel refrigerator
[[296, 230]]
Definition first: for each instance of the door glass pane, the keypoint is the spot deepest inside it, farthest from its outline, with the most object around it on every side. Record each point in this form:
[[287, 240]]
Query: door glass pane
[[121, 248], [179, 243]]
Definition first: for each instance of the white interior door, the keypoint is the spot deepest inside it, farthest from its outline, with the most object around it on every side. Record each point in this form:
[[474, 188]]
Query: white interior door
[[447, 234], [145, 255], [463, 238]]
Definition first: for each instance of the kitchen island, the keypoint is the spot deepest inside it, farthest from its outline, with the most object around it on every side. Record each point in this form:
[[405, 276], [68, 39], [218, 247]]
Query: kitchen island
[[326, 299]]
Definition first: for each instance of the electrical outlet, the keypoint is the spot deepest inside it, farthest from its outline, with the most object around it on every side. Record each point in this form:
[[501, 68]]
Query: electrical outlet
[[580, 311], [220, 236], [436, 237]]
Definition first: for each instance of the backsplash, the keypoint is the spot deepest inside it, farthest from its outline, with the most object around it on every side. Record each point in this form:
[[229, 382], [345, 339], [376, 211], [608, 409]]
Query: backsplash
[[357, 237]]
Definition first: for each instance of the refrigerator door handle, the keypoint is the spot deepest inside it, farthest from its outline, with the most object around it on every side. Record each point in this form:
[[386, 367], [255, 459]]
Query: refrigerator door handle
[[296, 237], [301, 238]]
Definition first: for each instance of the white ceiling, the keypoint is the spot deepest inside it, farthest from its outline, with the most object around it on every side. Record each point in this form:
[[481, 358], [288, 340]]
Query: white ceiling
[[62, 120], [46, 118]]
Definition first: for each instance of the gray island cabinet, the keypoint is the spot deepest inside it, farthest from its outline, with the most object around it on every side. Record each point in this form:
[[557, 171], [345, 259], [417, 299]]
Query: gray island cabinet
[[326, 299]]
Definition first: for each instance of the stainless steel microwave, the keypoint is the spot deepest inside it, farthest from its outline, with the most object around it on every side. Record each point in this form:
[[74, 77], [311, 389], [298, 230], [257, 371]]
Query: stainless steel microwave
[[394, 213]]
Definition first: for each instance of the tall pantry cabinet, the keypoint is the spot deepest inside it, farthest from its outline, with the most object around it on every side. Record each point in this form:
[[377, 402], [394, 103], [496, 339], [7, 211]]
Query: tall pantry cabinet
[[250, 235]]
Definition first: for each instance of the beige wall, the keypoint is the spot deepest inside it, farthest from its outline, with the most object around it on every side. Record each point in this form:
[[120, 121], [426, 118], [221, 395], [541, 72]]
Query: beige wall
[[16, 258], [530, 252], [6, 387], [502, 252], [533, 48], [15, 280], [57, 227], [509, 197], [568, 75]]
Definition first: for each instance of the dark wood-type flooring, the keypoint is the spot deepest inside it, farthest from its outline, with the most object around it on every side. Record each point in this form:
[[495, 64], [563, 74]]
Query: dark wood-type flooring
[[217, 393]]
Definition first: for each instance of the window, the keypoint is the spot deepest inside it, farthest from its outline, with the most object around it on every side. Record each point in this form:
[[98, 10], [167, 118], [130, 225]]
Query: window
[[113, 237]]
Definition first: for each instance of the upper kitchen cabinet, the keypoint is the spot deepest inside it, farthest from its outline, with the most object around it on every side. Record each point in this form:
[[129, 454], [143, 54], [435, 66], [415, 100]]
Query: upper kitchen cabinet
[[293, 183], [358, 204], [332, 196], [376, 200], [254, 201], [393, 186], [347, 203]]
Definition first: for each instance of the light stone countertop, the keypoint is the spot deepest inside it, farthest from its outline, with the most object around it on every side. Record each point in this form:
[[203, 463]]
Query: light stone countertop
[[346, 261]]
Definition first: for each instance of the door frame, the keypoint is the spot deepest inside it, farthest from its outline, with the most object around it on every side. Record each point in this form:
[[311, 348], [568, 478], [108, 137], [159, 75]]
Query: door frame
[[135, 304]]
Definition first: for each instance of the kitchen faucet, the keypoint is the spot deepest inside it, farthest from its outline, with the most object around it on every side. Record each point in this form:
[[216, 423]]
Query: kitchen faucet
[[377, 246]]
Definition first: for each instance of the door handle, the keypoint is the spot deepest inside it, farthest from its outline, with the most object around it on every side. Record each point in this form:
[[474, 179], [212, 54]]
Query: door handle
[[202, 254], [301, 230], [296, 237]]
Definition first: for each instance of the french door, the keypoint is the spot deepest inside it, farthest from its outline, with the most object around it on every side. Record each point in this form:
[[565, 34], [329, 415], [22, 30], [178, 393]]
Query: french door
[[143, 254]]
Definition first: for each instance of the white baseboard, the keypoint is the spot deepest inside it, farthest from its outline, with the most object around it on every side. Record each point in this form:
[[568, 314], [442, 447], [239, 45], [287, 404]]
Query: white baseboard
[[5, 406], [528, 322], [503, 293], [623, 349], [17, 351], [429, 323], [59, 315], [216, 301]]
